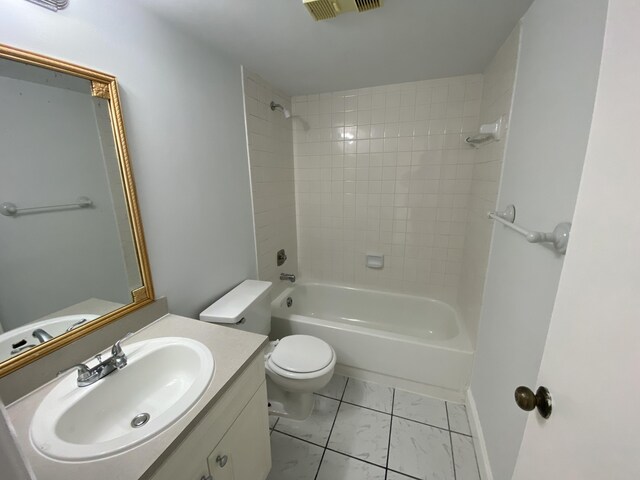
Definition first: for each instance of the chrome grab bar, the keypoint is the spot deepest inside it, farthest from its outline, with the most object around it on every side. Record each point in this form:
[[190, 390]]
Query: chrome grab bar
[[9, 209]]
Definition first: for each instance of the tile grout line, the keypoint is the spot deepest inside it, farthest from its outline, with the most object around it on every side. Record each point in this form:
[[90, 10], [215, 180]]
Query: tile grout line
[[347, 455], [475, 454], [453, 461], [446, 429], [393, 401], [451, 432], [430, 425], [400, 416], [301, 439], [332, 425], [355, 458], [368, 408], [466, 416], [404, 474]]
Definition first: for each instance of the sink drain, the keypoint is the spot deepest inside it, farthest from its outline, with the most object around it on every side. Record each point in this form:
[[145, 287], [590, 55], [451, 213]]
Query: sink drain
[[140, 420]]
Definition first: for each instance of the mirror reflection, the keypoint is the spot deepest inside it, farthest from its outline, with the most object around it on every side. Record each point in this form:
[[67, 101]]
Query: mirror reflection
[[67, 253]]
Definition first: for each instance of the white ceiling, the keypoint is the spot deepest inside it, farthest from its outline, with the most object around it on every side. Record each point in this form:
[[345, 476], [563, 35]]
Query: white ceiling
[[403, 41]]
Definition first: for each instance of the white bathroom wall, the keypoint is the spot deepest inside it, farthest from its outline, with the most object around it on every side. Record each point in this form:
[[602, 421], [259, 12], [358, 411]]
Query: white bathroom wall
[[385, 170], [183, 110], [270, 141], [497, 94], [552, 109], [45, 168]]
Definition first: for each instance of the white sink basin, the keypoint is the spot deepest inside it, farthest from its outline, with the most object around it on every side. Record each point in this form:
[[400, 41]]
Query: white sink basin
[[164, 378], [53, 326]]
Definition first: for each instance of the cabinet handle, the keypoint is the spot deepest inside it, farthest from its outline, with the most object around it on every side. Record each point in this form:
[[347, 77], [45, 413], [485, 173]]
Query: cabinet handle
[[221, 460]]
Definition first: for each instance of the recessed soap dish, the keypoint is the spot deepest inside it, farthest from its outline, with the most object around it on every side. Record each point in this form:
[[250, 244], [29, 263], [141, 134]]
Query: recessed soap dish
[[375, 260], [488, 132]]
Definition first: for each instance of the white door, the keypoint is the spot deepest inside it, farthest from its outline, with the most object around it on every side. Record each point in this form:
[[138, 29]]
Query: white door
[[591, 362]]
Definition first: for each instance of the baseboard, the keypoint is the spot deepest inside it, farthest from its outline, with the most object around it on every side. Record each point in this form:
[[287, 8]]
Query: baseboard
[[478, 438], [401, 383]]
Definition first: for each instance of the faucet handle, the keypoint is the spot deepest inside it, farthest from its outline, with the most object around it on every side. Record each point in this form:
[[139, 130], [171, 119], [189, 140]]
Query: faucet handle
[[116, 350], [83, 371], [118, 357]]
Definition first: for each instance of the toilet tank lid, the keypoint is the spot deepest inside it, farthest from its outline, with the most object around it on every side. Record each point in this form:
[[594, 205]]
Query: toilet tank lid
[[230, 307]]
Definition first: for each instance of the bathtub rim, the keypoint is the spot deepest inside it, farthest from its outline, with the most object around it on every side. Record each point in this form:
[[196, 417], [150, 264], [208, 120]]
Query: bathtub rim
[[461, 342]]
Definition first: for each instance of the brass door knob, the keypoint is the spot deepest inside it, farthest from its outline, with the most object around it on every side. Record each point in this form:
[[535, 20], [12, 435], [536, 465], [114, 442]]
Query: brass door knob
[[527, 400]]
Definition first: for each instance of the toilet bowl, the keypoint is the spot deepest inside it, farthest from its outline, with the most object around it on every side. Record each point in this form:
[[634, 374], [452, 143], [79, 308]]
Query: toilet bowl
[[295, 366]]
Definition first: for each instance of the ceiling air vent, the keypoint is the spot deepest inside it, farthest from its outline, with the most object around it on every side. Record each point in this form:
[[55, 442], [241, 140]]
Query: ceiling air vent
[[320, 9], [364, 5], [324, 9], [54, 5]]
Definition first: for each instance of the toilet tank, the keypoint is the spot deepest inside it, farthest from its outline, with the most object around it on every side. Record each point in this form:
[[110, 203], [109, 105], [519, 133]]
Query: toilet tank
[[246, 307]]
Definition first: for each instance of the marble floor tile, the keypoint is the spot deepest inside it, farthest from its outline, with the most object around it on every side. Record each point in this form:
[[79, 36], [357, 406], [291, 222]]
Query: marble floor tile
[[317, 427], [464, 457], [272, 421], [335, 466], [397, 476], [420, 408], [368, 394], [335, 387], [458, 420], [361, 433], [420, 450], [293, 459]]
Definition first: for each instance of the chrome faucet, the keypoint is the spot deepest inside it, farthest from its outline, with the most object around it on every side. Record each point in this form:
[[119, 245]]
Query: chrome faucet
[[41, 335], [288, 276], [90, 375]]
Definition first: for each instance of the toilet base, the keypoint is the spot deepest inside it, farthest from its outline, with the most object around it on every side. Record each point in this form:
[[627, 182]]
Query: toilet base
[[294, 405]]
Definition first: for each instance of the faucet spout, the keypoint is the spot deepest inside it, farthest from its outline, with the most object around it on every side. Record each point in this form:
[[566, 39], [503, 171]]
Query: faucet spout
[[288, 276], [41, 335], [90, 375]]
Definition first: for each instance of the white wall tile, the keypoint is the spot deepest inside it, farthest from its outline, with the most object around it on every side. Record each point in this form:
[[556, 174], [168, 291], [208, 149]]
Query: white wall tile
[[484, 173], [390, 158], [270, 139]]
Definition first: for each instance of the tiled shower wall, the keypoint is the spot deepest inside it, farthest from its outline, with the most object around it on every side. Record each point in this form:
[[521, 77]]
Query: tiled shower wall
[[499, 78], [386, 170], [272, 180]]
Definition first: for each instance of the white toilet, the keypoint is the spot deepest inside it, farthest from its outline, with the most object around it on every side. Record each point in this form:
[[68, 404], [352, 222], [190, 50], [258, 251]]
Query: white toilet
[[296, 366]]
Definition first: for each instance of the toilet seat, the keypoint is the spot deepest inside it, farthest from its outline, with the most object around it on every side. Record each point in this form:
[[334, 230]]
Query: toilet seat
[[300, 357]]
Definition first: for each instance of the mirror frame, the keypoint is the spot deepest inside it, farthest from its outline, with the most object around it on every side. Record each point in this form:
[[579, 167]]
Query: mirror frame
[[103, 86]]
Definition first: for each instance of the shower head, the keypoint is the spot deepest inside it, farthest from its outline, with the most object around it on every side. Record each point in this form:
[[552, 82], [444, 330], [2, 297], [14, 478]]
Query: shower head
[[276, 106]]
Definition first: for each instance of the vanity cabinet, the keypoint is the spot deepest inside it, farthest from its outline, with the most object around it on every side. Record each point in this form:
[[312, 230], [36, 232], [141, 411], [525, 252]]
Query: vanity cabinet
[[244, 453], [231, 441]]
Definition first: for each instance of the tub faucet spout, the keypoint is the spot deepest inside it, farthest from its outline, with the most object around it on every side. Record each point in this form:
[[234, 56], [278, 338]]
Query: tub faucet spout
[[288, 276], [41, 335]]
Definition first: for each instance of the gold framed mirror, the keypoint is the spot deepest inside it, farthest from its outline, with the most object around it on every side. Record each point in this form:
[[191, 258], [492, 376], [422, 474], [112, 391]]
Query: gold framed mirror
[[72, 250]]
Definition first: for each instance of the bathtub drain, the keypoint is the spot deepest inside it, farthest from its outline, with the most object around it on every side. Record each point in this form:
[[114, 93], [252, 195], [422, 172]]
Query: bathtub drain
[[140, 420], [289, 302]]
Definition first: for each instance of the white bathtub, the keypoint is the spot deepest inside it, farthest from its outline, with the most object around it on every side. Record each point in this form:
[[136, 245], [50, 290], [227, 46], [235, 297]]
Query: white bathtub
[[412, 339]]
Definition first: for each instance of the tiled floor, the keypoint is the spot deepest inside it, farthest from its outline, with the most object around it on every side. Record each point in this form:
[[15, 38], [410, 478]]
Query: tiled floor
[[365, 431]]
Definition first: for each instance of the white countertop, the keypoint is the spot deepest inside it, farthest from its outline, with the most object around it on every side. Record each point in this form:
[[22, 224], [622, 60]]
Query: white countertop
[[232, 350]]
